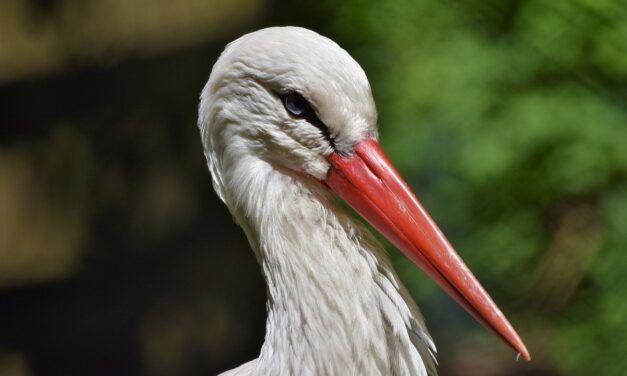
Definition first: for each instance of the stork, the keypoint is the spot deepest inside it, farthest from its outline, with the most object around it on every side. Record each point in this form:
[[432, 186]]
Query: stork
[[288, 122]]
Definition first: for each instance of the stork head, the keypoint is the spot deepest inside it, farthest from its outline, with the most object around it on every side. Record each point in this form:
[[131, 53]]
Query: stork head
[[292, 96], [297, 100]]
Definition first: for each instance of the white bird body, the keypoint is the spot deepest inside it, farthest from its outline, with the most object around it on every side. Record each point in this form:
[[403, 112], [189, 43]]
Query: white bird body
[[335, 304]]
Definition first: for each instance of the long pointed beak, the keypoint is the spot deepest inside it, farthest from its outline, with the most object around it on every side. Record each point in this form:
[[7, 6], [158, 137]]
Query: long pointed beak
[[370, 184]]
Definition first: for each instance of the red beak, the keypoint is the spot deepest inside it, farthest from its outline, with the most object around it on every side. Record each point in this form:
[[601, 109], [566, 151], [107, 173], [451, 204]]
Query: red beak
[[370, 184]]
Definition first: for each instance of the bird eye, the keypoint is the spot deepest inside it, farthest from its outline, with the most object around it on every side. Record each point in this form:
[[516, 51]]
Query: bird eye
[[295, 104], [298, 106]]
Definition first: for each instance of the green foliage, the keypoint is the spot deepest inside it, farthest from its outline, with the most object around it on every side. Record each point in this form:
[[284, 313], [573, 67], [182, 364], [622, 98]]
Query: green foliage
[[510, 120]]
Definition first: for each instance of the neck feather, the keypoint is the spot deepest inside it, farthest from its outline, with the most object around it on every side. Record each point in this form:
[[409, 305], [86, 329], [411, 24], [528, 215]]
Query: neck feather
[[335, 304]]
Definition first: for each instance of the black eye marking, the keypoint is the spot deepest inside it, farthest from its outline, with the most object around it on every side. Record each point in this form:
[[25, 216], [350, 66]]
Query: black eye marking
[[298, 106]]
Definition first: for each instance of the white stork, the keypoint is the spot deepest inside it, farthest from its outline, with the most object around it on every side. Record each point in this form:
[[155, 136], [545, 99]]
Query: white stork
[[287, 119]]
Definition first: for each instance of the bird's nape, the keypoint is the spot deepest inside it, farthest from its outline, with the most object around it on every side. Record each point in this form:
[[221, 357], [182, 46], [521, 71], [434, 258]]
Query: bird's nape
[[370, 184]]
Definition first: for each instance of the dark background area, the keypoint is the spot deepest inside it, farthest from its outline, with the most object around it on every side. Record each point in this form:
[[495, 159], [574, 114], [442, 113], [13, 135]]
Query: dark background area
[[509, 119]]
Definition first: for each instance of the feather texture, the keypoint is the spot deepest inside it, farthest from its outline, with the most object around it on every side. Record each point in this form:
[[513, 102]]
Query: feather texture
[[335, 304]]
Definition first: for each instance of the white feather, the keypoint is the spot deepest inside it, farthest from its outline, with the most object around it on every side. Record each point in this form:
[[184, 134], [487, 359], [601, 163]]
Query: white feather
[[335, 304]]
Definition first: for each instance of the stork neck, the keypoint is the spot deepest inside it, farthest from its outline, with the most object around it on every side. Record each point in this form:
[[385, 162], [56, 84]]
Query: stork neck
[[335, 304]]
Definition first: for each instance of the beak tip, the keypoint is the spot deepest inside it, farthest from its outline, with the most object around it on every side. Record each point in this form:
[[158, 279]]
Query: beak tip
[[522, 352], [525, 354]]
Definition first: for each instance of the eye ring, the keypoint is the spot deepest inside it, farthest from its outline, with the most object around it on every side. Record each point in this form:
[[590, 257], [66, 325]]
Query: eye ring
[[296, 105]]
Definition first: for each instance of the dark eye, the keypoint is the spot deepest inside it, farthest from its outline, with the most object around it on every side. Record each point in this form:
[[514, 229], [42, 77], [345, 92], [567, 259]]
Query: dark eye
[[296, 105]]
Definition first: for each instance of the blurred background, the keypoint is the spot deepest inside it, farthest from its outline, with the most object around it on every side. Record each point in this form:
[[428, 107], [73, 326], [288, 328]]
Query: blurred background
[[509, 118]]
